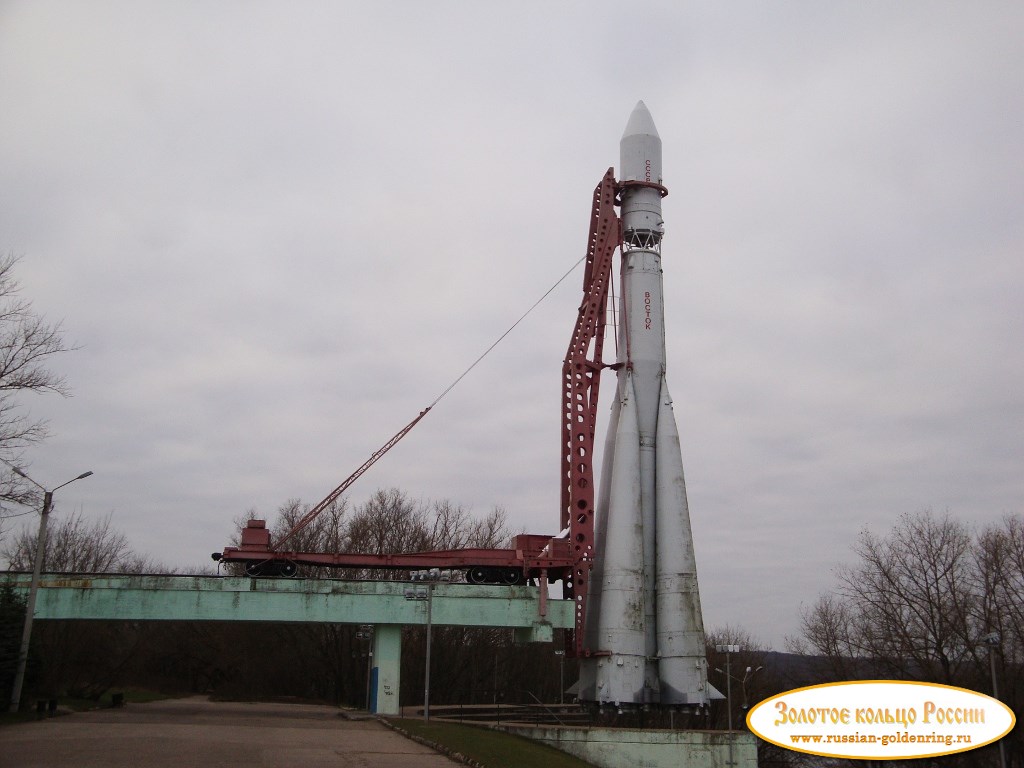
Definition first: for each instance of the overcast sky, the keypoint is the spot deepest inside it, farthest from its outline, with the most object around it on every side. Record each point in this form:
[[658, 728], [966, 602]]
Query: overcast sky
[[277, 231]]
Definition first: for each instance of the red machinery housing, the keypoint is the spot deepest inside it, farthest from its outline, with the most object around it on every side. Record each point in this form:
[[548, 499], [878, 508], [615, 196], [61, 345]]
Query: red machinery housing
[[568, 557]]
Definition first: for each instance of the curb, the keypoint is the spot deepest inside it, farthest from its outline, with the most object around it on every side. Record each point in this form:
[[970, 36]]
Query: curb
[[449, 753]]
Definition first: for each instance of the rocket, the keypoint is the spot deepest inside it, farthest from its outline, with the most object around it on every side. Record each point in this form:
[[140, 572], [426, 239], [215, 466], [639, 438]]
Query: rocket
[[643, 623]]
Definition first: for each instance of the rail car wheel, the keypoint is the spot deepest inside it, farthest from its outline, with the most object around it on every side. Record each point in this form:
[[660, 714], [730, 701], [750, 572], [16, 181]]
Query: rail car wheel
[[480, 574], [511, 576], [271, 568]]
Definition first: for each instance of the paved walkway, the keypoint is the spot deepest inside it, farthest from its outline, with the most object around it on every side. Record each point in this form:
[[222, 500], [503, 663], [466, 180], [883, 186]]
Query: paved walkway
[[195, 732]]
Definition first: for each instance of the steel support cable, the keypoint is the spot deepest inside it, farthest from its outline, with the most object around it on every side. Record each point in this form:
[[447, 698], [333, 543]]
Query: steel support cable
[[506, 333], [333, 495]]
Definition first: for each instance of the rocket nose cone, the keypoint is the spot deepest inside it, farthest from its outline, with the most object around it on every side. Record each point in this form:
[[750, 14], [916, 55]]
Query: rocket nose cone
[[640, 122]]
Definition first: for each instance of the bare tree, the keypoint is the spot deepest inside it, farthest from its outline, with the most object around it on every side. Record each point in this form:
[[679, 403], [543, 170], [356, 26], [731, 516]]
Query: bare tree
[[919, 604], [389, 522], [83, 658], [75, 545], [491, 531], [1000, 557], [27, 344], [454, 527], [908, 604], [1000, 578], [12, 616]]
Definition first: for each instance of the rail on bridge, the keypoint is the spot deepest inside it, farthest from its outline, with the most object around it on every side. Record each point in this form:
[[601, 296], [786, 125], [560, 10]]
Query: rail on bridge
[[387, 605]]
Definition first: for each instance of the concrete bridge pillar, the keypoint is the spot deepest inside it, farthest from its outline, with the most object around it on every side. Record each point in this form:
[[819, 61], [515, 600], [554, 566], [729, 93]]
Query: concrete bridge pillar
[[385, 677]]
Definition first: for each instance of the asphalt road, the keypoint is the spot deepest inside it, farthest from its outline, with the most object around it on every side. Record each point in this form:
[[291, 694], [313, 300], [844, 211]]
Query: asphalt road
[[194, 732]]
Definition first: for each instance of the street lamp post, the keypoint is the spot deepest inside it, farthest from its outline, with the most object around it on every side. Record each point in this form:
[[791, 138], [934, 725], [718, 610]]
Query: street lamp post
[[430, 577], [37, 569], [746, 679], [992, 641], [426, 673], [728, 650]]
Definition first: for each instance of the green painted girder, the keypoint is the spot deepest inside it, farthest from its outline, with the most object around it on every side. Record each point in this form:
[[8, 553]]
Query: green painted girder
[[213, 598]]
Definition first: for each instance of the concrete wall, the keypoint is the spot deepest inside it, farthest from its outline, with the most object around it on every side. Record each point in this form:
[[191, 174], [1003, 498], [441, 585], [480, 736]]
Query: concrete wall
[[626, 748]]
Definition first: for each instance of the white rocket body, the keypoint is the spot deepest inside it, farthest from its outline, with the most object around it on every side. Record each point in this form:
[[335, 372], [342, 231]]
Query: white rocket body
[[643, 614]]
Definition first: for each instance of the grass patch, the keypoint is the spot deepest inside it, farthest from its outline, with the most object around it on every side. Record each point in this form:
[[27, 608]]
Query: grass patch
[[144, 695], [493, 749], [10, 718], [65, 703], [130, 696]]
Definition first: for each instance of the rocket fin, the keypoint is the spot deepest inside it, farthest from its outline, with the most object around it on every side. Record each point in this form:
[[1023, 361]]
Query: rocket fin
[[588, 681], [619, 677], [601, 525], [682, 659]]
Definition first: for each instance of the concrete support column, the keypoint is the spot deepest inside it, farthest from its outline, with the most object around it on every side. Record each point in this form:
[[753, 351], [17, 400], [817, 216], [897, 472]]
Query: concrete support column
[[385, 676]]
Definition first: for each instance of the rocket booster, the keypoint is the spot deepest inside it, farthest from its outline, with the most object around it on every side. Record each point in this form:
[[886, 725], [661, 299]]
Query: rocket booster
[[643, 618]]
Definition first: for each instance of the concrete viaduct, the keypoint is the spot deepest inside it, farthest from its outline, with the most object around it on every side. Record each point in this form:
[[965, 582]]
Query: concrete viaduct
[[387, 605]]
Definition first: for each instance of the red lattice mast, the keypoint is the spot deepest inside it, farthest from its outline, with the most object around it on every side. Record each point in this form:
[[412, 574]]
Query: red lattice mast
[[581, 378]]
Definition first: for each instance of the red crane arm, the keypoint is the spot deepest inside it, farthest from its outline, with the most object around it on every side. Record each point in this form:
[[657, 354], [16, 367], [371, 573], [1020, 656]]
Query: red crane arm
[[580, 382], [309, 516]]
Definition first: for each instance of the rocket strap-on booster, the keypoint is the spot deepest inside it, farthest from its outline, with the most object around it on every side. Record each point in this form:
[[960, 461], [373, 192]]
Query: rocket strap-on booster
[[643, 624]]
